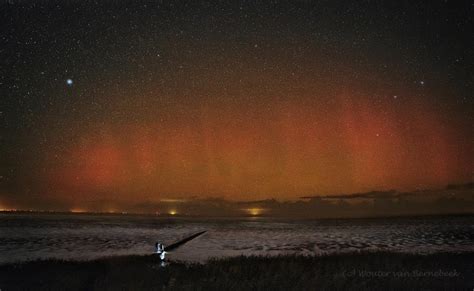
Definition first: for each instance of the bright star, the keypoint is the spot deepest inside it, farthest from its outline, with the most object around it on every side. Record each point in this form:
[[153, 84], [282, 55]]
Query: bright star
[[69, 82]]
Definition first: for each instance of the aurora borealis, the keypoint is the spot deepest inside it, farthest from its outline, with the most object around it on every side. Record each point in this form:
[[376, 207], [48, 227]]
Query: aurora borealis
[[149, 100]]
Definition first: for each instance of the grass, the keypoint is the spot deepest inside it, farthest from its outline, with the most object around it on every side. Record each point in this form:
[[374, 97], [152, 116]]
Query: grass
[[358, 271]]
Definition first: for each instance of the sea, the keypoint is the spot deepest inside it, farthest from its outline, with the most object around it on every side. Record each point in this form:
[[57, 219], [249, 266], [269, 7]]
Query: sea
[[29, 236]]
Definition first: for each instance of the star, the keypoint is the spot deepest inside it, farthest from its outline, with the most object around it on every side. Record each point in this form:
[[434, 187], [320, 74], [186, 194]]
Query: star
[[422, 83], [69, 82]]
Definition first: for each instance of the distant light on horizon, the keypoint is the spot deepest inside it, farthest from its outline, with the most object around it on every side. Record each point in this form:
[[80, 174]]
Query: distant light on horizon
[[255, 211], [173, 212], [5, 209]]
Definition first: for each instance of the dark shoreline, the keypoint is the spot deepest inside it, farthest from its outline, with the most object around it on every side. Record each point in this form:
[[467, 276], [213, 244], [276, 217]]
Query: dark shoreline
[[356, 271], [296, 218]]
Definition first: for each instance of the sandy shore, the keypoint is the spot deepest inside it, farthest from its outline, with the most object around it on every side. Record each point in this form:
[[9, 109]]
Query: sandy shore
[[362, 271]]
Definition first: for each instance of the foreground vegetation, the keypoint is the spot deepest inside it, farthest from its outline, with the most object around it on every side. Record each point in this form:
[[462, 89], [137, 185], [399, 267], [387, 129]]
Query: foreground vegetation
[[360, 271]]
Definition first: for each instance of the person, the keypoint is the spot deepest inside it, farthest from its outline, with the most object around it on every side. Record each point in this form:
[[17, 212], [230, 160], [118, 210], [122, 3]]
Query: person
[[160, 250]]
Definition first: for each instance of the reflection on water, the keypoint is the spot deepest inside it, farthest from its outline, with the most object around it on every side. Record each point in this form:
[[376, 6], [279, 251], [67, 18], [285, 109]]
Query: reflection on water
[[27, 237]]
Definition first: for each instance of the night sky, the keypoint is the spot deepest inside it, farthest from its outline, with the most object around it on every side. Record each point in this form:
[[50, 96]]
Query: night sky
[[149, 100]]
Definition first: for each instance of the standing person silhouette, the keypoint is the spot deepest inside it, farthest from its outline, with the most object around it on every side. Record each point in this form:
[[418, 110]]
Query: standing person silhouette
[[160, 250]]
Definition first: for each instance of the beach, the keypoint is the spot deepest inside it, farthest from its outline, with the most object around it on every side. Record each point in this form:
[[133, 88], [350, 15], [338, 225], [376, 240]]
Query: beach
[[103, 252], [76, 237]]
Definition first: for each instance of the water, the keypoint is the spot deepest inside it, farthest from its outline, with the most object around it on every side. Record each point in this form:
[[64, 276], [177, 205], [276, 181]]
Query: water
[[26, 237]]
